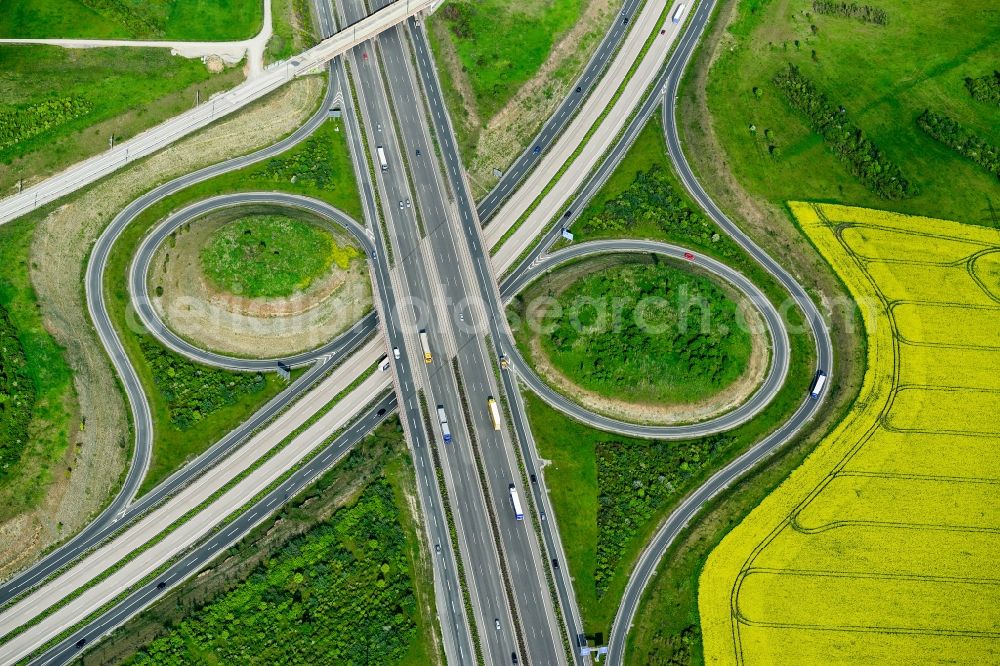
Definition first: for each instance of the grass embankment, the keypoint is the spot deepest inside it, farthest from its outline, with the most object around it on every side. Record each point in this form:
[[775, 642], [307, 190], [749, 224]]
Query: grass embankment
[[189, 20], [502, 45], [642, 199], [867, 74], [641, 331], [271, 256], [888, 529], [314, 576], [59, 106], [293, 29], [504, 68], [38, 408], [318, 167]]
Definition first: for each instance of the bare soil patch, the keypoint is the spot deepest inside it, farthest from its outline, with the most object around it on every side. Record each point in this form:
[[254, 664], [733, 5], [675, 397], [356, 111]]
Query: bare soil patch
[[59, 251], [252, 327]]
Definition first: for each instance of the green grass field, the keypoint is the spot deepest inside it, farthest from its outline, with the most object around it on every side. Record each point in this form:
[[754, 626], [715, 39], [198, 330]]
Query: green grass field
[[884, 76], [325, 153], [271, 256], [58, 106], [188, 20], [53, 410], [648, 332], [501, 45]]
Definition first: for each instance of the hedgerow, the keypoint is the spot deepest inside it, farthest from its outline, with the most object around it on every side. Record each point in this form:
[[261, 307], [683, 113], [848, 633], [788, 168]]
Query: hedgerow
[[20, 124], [138, 22], [966, 143], [633, 481], [194, 391], [985, 88], [863, 13], [17, 396], [341, 593], [864, 159]]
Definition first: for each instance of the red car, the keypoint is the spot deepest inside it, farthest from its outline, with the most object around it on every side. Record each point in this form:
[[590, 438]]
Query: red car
[[689, 256]]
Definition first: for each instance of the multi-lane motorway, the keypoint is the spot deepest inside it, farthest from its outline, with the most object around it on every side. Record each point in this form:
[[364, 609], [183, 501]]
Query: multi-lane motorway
[[435, 275], [439, 262]]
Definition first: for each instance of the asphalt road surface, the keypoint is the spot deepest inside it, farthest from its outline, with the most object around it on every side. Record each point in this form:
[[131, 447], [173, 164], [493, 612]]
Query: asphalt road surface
[[408, 368], [415, 285], [197, 558], [468, 282]]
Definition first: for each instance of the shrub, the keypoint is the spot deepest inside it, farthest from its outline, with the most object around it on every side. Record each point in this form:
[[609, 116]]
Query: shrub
[[863, 13], [966, 143], [648, 331], [633, 481], [146, 18], [17, 396], [651, 200], [985, 88], [864, 159], [311, 164], [21, 123], [194, 391]]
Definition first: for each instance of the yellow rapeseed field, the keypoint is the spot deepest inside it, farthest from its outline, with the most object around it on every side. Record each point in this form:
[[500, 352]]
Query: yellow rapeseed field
[[884, 546]]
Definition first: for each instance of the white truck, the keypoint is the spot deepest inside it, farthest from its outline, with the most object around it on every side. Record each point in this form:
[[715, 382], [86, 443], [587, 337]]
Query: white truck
[[443, 418], [676, 18], [381, 158], [817, 385], [426, 345], [516, 503]]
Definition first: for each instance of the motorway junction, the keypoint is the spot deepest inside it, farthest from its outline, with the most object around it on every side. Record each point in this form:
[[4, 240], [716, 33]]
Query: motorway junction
[[442, 270]]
